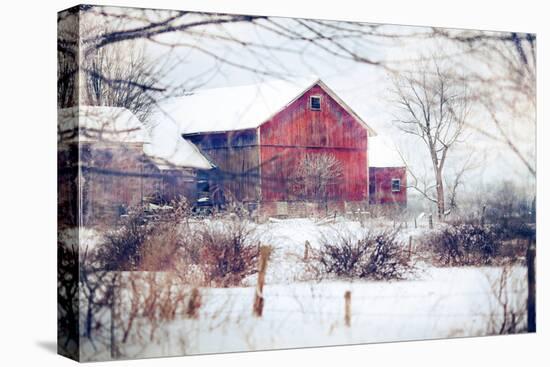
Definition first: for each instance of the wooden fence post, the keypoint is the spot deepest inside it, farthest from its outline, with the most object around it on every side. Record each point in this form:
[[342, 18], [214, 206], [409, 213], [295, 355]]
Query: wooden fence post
[[531, 290], [415, 226], [431, 221], [114, 347], [347, 317], [306, 250], [258, 307], [194, 304]]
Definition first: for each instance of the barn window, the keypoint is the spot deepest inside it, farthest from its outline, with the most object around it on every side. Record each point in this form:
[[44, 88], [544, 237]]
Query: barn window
[[315, 103], [395, 185]]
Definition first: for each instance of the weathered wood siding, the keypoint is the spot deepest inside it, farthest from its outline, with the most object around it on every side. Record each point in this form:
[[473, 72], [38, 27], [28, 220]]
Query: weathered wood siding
[[236, 156], [67, 185], [296, 131], [381, 185], [115, 177]]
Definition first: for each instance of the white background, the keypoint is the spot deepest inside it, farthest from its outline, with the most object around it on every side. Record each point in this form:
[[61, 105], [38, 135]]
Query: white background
[[28, 182]]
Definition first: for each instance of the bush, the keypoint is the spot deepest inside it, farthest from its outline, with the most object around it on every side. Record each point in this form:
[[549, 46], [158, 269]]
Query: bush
[[220, 252], [159, 250], [224, 251], [123, 247], [509, 200], [146, 239], [371, 255], [513, 228], [465, 244]]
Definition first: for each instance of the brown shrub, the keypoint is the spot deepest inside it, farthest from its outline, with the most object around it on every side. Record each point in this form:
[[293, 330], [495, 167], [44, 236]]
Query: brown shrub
[[122, 249], [160, 249], [464, 244], [370, 255], [224, 251]]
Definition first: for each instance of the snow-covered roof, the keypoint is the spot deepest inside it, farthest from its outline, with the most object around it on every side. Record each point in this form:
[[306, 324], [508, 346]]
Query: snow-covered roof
[[382, 152], [240, 107], [163, 145], [168, 150], [100, 123], [182, 154]]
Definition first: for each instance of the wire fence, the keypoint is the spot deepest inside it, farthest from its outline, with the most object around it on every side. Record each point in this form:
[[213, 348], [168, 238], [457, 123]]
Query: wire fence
[[363, 313], [428, 305]]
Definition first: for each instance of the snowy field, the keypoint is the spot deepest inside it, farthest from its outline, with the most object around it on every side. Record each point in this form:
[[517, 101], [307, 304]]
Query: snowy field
[[302, 312]]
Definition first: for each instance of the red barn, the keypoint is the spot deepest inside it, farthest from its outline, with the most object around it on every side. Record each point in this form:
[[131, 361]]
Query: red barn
[[387, 173], [285, 148]]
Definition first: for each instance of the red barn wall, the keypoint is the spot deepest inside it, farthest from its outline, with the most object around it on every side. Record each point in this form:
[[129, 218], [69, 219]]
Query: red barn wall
[[297, 131], [381, 190]]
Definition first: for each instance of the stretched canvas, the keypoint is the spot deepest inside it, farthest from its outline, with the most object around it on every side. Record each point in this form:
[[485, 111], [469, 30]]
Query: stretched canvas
[[232, 183]]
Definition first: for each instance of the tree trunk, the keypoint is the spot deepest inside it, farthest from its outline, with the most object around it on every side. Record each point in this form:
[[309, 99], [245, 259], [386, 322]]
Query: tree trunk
[[440, 194], [531, 288]]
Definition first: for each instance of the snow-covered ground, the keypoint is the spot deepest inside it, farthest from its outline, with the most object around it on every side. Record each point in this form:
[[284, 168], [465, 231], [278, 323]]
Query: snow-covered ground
[[435, 303], [288, 238]]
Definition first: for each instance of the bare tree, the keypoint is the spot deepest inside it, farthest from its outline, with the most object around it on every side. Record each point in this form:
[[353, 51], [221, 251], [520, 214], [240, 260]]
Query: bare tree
[[457, 179], [504, 78], [194, 32], [316, 174], [119, 75], [432, 106], [67, 56]]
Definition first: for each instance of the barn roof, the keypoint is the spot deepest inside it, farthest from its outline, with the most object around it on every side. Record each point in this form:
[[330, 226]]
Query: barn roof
[[100, 123], [241, 107], [171, 151], [166, 149], [382, 152]]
